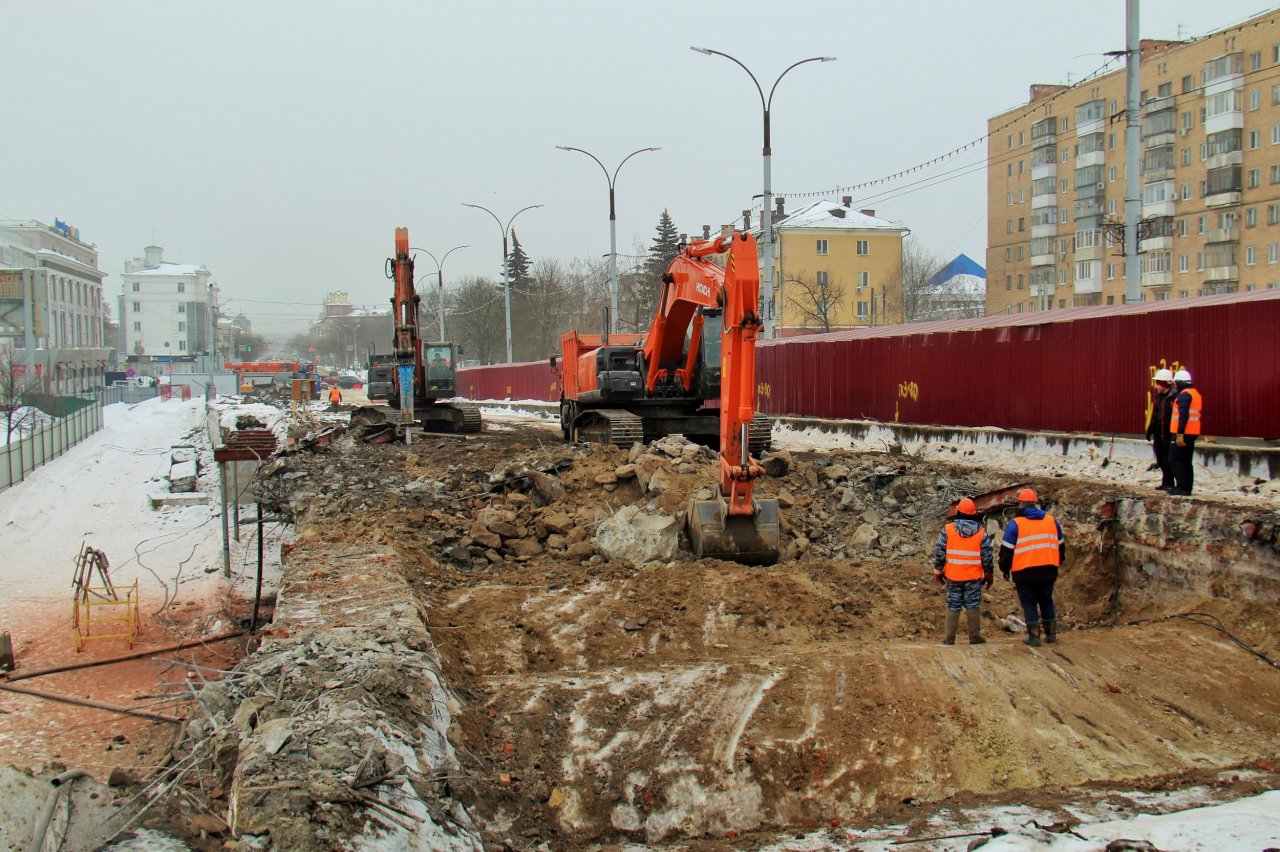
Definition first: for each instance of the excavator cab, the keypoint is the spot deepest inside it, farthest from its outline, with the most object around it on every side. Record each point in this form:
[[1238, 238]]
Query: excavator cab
[[441, 379]]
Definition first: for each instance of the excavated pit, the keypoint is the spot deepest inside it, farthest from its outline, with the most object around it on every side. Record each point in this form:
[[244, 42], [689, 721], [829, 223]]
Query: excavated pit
[[597, 701]]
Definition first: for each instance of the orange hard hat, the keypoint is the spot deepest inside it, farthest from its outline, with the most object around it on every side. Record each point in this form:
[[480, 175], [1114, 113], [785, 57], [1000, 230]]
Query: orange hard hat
[[1026, 495], [966, 507]]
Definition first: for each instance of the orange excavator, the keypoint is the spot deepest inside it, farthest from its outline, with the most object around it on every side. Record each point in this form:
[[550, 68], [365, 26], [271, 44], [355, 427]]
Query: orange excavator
[[702, 344], [423, 376]]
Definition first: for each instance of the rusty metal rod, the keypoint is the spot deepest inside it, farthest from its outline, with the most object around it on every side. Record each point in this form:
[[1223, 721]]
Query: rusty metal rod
[[137, 655], [89, 702]]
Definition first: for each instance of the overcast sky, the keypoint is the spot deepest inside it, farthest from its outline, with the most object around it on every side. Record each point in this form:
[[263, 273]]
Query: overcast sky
[[280, 143]]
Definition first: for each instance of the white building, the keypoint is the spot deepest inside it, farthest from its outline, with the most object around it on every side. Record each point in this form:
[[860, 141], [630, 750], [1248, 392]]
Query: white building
[[168, 311], [52, 313]]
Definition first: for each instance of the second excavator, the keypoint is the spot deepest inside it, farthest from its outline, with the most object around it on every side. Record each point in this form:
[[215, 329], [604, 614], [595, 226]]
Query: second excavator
[[423, 378]]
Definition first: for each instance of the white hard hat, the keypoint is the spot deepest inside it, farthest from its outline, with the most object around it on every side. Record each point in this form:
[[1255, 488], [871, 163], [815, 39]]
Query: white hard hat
[[1182, 376], [1163, 376]]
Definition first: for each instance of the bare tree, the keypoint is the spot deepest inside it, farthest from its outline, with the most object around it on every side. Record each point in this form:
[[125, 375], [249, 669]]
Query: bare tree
[[18, 417], [476, 320], [817, 302], [908, 292]]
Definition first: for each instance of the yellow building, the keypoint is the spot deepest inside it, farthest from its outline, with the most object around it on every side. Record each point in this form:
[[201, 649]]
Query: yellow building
[[834, 268], [1210, 179]]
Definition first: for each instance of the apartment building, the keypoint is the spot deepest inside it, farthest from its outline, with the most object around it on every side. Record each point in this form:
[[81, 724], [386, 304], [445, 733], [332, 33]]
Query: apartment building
[[1210, 179], [834, 268], [52, 314], [168, 311]]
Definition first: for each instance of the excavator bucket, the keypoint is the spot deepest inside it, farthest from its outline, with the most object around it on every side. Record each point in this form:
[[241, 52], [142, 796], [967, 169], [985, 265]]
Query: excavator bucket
[[749, 539]]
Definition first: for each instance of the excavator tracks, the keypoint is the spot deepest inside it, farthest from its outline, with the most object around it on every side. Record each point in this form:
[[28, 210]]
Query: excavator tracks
[[470, 423], [609, 426], [759, 435]]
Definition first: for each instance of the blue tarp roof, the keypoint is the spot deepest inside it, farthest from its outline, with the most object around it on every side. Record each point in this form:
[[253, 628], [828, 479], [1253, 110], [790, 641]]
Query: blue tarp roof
[[962, 265]]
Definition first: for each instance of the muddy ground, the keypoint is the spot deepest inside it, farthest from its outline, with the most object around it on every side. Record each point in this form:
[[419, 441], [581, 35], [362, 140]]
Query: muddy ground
[[597, 702]]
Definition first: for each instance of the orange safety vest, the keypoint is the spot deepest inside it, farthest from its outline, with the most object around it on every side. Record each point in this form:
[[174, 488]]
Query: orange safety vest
[[1193, 414], [335, 395], [1037, 543], [964, 556]]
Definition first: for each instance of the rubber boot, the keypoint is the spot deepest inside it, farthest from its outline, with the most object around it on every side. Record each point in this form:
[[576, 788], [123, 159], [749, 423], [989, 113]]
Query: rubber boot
[[953, 623], [975, 626], [1033, 635], [1050, 631]]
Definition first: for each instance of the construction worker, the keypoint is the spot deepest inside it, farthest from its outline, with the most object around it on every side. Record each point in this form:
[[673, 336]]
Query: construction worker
[[335, 395], [1032, 550], [1158, 428], [1184, 428], [962, 562]]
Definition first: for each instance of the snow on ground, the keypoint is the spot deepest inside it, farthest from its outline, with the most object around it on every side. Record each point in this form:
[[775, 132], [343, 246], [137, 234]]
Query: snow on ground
[[1186, 820], [1124, 461], [25, 420], [97, 493]]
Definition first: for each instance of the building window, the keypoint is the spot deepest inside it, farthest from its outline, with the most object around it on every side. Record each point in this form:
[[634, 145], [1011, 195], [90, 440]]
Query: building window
[[1273, 214], [1020, 280], [1186, 156], [1064, 153], [1111, 206], [1011, 145], [1251, 217], [1065, 216], [864, 278], [1008, 282], [1188, 83], [1021, 255], [1008, 226], [137, 287], [862, 310], [1064, 186], [182, 288], [1022, 195], [1062, 276], [182, 344], [137, 307], [1111, 141], [182, 326], [1009, 170], [1199, 224], [822, 246], [1022, 223], [1008, 254], [1255, 60], [1255, 140], [1200, 261], [1250, 255], [137, 326], [1021, 163], [1182, 263], [1273, 252], [1186, 191], [1111, 272], [1182, 227], [1022, 140], [1112, 175], [1255, 100], [864, 248], [1204, 152], [182, 307], [1255, 176]]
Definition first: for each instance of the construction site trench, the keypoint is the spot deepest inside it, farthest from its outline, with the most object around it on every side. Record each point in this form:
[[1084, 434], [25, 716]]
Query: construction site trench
[[502, 641]]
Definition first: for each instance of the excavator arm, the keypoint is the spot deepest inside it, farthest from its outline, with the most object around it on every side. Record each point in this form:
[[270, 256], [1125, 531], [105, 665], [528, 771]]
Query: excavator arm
[[734, 525], [691, 283]]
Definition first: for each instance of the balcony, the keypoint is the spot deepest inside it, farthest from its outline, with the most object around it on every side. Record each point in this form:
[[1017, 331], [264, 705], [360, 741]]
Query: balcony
[[1157, 279], [1166, 207], [1221, 235], [1043, 259], [1044, 132], [1221, 274], [1228, 198], [1161, 243], [1091, 117], [1088, 285], [1047, 200], [1046, 229], [1088, 252], [1220, 287], [1086, 207], [1091, 158]]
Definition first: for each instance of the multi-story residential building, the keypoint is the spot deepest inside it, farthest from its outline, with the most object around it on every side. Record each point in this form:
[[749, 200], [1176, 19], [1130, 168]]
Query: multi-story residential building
[[1210, 180], [834, 268], [168, 311], [52, 315]]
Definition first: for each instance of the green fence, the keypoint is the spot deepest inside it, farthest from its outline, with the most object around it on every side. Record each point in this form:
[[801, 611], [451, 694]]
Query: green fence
[[22, 455]]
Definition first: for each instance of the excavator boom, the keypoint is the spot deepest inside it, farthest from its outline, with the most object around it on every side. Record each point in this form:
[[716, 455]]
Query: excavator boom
[[734, 525]]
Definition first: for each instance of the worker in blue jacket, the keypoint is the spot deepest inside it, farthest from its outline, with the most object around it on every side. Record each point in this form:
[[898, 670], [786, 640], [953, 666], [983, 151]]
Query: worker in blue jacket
[[1031, 552]]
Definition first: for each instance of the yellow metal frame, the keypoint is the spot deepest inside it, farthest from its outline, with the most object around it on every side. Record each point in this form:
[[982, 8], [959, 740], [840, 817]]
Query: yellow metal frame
[[87, 614]]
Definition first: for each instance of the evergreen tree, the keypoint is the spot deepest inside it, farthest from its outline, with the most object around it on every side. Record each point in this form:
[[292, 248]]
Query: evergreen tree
[[517, 264], [666, 245]]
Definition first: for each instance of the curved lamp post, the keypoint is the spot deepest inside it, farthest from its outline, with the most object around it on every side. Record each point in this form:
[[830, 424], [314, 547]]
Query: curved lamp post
[[440, 281], [613, 227], [506, 285], [766, 220]]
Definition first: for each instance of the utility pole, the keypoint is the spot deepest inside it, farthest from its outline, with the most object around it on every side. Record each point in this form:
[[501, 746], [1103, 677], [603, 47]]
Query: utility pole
[[1132, 167]]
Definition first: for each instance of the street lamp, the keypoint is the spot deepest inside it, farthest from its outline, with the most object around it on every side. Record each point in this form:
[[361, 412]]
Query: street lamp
[[766, 220], [506, 285], [440, 281], [613, 228]]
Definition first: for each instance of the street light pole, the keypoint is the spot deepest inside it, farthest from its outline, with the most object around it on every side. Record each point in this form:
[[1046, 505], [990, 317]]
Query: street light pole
[[506, 285], [766, 220], [613, 228], [440, 281]]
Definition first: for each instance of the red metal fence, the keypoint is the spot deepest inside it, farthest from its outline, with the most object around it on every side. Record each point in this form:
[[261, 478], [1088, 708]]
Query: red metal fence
[[1073, 370]]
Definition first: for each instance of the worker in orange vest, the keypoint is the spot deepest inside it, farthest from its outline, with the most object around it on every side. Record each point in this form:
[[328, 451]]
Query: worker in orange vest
[[1032, 551], [1184, 428], [335, 395], [962, 561]]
